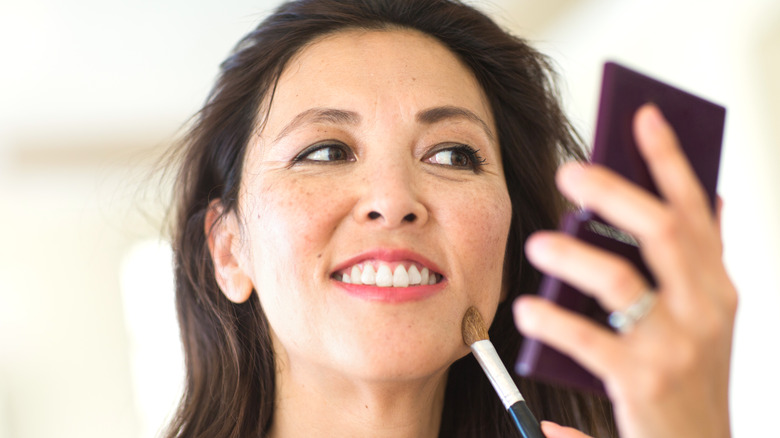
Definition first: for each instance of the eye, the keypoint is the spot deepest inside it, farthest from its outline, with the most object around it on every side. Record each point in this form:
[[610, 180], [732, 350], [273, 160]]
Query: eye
[[325, 153], [459, 156]]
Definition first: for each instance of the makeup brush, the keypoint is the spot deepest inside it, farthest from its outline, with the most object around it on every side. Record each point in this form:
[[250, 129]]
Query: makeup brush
[[475, 335]]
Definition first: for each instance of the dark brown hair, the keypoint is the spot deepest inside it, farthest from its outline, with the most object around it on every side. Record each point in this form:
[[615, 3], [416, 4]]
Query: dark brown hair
[[229, 388]]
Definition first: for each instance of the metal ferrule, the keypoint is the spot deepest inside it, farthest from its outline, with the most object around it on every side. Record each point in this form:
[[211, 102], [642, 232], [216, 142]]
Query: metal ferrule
[[496, 371]]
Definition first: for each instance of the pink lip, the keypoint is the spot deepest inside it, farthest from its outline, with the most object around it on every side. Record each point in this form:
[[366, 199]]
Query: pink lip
[[391, 294]]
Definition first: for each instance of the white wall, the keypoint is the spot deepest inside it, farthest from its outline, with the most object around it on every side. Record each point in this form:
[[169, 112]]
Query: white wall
[[89, 92], [90, 89]]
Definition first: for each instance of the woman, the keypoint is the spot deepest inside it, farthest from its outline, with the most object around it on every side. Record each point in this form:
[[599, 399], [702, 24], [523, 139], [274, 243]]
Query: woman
[[362, 173]]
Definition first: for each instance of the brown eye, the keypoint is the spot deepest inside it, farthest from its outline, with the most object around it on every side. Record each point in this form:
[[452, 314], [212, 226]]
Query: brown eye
[[325, 153], [451, 158], [461, 156]]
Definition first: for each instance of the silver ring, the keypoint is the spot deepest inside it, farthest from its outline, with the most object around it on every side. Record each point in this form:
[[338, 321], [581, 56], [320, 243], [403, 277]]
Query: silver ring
[[623, 321]]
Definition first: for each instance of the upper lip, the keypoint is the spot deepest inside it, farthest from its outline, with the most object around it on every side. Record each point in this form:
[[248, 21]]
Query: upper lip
[[389, 255]]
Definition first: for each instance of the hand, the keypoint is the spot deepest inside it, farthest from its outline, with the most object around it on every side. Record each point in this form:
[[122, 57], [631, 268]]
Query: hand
[[667, 376], [552, 430]]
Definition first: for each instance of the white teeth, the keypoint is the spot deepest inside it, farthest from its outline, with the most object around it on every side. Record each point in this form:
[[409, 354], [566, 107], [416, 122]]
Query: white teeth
[[368, 277], [355, 275], [414, 275], [384, 277], [400, 277]]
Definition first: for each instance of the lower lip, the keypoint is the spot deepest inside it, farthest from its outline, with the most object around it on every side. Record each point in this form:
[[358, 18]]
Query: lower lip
[[391, 294]]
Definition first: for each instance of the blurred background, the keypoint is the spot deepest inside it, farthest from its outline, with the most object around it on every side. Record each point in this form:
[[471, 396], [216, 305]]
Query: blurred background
[[93, 92]]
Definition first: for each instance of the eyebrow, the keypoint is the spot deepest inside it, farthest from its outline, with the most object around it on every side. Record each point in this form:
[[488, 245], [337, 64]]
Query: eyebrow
[[441, 113], [320, 115], [428, 116]]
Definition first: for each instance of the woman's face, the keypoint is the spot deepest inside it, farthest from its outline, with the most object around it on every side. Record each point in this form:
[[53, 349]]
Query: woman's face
[[378, 163]]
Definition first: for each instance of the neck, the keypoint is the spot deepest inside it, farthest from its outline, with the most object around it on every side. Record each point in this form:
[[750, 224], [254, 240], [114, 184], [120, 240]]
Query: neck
[[322, 403]]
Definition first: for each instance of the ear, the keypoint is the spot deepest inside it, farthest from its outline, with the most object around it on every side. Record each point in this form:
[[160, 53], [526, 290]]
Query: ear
[[223, 238]]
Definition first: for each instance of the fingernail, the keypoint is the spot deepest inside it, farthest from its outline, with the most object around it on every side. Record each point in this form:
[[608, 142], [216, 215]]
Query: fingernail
[[537, 248], [569, 178], [573, 170], [517, 305], [523, 313], [655, 118]]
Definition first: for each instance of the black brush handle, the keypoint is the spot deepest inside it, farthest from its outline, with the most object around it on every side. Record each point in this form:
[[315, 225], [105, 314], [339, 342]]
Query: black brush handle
[[525, 421]]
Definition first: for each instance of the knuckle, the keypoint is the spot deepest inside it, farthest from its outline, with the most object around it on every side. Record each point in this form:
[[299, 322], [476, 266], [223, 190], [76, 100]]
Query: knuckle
[[718, 327], [714, 321], [667, 227], [582, 338], [623, 278]]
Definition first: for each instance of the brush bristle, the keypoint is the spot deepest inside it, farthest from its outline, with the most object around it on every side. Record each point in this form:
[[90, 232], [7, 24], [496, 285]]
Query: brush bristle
[[473, 327]]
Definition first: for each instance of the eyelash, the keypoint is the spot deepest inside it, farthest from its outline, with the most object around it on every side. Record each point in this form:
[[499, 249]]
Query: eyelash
[[303, 156], [476, 161]]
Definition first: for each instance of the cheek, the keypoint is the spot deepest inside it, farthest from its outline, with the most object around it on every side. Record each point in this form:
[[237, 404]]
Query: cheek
[[297, 216], [479, 231], [289, 225], [484, 227]]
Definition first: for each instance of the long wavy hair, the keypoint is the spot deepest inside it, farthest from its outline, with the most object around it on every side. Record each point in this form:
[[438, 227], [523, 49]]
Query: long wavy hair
[[229, 389]]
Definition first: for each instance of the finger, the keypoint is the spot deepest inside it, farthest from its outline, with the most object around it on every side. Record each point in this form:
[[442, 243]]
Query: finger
[[620, 202], [593, 346], [611, 279], [664, 240], [553, 430], [671, 171]]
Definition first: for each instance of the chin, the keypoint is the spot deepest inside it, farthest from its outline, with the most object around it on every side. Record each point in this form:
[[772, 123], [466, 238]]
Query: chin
[[399, 357]]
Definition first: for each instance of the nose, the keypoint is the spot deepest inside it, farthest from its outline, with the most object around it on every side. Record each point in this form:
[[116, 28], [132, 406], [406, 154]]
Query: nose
[[390, 199]]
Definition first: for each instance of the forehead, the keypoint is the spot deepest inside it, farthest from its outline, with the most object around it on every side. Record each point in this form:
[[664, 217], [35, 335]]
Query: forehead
[[375, 72]]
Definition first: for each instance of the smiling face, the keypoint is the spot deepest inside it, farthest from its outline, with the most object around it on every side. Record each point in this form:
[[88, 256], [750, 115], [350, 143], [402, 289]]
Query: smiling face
[[373, 209]]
